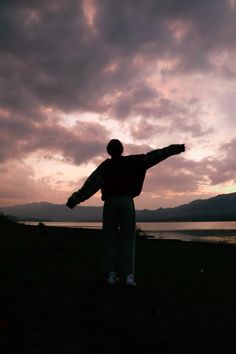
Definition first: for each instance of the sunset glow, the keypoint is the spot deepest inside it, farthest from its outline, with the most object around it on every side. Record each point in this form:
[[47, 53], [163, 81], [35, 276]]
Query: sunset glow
[[75, 74]]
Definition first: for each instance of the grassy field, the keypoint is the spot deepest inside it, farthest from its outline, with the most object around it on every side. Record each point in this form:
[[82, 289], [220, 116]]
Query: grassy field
[[54, 300]]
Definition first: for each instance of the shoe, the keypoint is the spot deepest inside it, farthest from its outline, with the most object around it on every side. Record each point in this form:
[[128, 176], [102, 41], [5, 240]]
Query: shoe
[[112, 278], [130, 281]]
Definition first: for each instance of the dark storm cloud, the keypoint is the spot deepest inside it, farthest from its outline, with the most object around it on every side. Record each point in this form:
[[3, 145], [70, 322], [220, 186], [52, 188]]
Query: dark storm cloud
[[152, 28], [50, 53], [51, 57]]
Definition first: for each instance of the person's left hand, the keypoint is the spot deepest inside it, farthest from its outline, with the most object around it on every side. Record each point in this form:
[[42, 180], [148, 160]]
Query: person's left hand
[[72, 201]]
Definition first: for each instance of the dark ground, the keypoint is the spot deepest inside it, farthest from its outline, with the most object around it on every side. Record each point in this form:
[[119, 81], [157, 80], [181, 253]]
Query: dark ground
[[53, 299]]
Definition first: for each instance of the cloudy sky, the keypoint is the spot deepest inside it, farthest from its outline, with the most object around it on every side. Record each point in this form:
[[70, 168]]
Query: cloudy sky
[[76, 73]]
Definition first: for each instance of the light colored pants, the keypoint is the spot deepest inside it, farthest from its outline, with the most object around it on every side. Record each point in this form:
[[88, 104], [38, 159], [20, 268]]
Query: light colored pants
[[119, 234]]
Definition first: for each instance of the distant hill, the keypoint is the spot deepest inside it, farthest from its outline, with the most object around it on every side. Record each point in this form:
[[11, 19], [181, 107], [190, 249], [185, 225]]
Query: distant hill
[[7, 219], [44, 211], [221, 207]]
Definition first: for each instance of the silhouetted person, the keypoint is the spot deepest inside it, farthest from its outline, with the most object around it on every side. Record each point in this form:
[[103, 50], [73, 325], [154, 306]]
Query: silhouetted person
[[120, 179]]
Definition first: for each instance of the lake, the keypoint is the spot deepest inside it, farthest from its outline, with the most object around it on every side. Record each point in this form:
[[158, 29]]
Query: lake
[[212, 231]]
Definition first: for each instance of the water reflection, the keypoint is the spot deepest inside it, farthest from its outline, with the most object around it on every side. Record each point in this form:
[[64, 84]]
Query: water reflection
[[201, 237], [214, 231]]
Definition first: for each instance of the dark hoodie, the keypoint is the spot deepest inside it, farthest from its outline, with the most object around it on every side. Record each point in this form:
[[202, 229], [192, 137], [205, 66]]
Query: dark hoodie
[[123, 175]]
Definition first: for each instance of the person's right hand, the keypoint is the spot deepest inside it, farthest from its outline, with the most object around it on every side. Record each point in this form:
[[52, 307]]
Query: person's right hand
[[178, 148]]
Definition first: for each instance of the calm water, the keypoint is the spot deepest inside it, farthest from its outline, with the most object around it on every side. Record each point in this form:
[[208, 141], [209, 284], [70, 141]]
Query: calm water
[[213, 231]]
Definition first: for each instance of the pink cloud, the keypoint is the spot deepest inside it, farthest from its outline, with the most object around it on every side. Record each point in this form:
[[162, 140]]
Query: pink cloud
[[223, 168], [38, 69], [81, 142], [20, 185], [76, 56]]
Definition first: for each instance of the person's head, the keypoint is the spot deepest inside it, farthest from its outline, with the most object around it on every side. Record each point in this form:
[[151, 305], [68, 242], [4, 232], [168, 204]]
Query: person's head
[[115, 148]]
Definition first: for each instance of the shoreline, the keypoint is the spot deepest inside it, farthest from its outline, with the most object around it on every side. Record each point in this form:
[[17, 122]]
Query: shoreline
[[221, 236], [55, 300]]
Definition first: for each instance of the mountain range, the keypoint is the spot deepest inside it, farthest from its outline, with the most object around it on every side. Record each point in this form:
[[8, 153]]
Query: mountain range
[[221, 207]]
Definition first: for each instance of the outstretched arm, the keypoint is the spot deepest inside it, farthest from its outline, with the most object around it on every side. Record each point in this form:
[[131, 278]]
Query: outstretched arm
[[90, 187], [155, 156]]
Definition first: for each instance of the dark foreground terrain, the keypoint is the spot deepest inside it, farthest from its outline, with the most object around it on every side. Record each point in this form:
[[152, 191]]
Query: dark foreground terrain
[[54, 300]]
